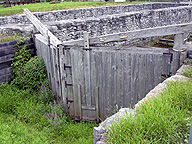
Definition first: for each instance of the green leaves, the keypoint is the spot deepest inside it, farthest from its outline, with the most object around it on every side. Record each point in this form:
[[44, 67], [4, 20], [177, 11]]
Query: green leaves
[[31, 75], [22, 56]]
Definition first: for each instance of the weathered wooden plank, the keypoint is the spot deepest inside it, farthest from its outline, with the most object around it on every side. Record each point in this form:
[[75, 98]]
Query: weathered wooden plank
[[79, 100], [136, 34], [150, 72], [42, 28], [85, 107], [175, 64], [5, 78], [141, 76], [93, 77], [5, 71], [158, 69], [134, 78], [97, 102], [6, 58], [108, 79], [127, 80], [69, 81], [75, 82], [62, 77], [114, 79], [178, 42]]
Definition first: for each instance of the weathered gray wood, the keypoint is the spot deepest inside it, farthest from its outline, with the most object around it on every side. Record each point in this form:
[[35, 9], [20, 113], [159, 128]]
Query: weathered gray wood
[[141, 76], [127, 80], [6, 58], [130, 35], [5, 71], [97, 102], [175, 64], [79, 100], [114, 79], [134, 78], [85, 107], [5, 78], [158, 69], [62, 77], [70, 94], [87, 69], [178, 42], [40, 27]]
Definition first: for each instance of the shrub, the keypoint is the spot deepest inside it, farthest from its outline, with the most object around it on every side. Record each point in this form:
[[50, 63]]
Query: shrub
[[22, 56], [31, 75]]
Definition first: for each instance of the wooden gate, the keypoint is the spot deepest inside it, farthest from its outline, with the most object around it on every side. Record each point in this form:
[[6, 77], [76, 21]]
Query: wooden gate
[[104, 77]]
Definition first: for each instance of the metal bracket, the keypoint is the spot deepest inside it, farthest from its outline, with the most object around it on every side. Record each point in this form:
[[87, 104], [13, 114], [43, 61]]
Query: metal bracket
[[66, 67], [87, 49], [68, 101], [66, 84], [65, 48]]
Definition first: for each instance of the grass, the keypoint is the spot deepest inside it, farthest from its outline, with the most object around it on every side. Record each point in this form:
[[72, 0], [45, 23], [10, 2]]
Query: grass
[[39, 7], [23, 121], [6, 37], [165, 119]]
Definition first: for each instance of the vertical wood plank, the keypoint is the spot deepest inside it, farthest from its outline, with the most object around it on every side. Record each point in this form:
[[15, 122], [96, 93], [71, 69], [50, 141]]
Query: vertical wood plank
[[127, 80], [97, 103], [114, 79], [62, 77], [158, 69], [79, 101], [141, 79]]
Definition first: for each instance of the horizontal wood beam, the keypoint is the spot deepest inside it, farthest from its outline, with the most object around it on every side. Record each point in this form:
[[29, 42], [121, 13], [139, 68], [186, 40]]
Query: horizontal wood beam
[[42, 28], [136, 34]]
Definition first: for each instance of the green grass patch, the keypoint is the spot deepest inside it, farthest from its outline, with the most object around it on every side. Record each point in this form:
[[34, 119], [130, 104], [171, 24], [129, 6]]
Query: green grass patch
[[39, 7], [6, 37], [23, 120], [188, 73], [165, 119]]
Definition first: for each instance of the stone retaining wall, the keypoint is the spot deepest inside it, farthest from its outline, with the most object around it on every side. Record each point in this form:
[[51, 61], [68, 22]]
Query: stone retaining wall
[[108, 24], [82, 13]]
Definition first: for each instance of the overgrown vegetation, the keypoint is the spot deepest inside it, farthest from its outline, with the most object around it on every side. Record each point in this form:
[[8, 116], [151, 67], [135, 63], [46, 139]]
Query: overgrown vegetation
[[22, 56], [6, 37], [30, 111], [188, 73], [38, 7], [165, 119]]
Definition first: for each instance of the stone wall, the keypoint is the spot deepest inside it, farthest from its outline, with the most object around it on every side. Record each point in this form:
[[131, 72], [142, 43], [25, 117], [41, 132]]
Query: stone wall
[[73, 29], [83, 13]]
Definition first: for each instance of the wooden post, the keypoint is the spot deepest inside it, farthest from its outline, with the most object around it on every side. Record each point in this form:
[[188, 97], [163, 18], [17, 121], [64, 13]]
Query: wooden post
[[87, 69], [178, 42]]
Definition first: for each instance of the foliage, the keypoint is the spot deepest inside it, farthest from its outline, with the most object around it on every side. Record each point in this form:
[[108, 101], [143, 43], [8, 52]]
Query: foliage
[[31, 75], [6, 37], [165, 119], [112, 110], [46, 95], [56, 116], [60, 6], [22, 56], [15, 131], [188, 73], [23, 121]]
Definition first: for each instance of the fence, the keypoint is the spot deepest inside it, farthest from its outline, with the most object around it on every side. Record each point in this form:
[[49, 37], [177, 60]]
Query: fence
[[89, 79]]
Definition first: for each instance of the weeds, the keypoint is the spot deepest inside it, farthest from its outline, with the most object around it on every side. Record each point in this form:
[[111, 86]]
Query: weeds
[[6, 37], [165, 119]]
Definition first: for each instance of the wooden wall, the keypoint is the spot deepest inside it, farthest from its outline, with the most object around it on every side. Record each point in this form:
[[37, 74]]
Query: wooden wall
[[7, 51]]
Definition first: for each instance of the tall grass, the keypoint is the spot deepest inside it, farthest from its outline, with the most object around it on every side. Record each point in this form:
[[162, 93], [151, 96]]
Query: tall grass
[[23, 120], [6, 37], [165, 119]]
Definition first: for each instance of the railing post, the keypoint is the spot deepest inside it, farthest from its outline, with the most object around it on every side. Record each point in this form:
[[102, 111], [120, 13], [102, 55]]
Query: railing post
[[178, 42]]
